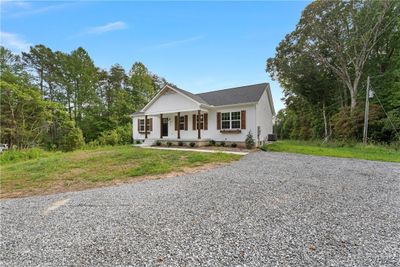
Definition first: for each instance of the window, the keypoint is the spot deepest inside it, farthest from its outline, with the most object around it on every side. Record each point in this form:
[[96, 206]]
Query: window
[[235, 120], [141, 125], [230, 120], [182, 123], [226, 120]]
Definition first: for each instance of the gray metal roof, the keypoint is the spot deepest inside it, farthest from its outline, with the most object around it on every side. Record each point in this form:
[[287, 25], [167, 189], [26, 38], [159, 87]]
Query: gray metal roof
[[237, 95]]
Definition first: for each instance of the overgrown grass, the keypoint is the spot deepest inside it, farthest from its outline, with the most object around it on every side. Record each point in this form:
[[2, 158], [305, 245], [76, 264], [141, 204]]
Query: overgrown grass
[[26, 173], [21, 155], [359, 151]]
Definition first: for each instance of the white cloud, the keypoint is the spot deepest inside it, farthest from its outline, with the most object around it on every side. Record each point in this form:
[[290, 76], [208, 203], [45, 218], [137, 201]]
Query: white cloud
[[179, 42], [14, 42], [13, 9], [22, 4], [112, 26], [15, 3]]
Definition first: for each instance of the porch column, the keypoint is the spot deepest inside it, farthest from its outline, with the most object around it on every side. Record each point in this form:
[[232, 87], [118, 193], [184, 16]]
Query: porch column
[[161, 125], [145, 126], [198, 124], [179, 125]]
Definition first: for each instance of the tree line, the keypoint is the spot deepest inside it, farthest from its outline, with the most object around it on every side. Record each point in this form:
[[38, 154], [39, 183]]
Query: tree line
[[62, 100], [323, 67]]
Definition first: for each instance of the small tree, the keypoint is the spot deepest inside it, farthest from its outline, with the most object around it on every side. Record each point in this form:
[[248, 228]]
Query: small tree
[[249, 141], [110, 137], [72, 140]]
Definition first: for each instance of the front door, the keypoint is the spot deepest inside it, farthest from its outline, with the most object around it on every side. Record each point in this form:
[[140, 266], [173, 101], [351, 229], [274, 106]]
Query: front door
[[164, 128]]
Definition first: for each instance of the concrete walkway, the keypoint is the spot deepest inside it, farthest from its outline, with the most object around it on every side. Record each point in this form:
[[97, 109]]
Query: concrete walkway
[[198, 150]]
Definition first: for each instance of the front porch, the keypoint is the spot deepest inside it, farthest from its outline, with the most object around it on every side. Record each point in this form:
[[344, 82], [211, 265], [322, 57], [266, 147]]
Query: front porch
[[179, 142], [181, 126]]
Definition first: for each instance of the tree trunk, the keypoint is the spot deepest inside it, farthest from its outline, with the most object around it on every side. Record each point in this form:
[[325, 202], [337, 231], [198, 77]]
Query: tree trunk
[[325, 120], [76, 99], [353, 95], [51, 91], [41, 82], [69, 106], [353, 101]]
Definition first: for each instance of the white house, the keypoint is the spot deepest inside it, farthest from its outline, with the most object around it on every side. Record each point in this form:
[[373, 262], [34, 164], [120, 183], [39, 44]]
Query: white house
[[228, 115]]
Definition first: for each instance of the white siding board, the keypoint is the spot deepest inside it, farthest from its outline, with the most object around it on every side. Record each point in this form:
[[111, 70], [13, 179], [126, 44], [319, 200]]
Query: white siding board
[[171, 102], [264, 116]]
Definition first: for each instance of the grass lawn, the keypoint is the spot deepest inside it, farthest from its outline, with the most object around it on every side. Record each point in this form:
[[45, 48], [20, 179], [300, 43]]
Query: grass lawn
[[49, 172], [370, 152]]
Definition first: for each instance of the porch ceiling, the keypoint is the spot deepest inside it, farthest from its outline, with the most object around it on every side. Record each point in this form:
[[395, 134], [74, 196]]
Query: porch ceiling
[[175, 111]]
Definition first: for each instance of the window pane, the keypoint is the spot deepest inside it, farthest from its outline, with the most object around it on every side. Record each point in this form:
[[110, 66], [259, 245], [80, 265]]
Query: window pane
[[141, 125], [236, 115], [225, 125], [235, 124], [226, 116]]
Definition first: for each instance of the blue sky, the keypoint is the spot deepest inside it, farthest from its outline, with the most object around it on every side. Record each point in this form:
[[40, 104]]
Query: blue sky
[[199, 46]]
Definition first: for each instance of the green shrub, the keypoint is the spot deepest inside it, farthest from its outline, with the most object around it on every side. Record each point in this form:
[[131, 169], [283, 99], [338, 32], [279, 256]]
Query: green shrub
[[212, 143], [72, 140], [180, 143], [158, 143], [192, 144], [138, 142], [249, 140], [92, 144], [395, 145], [125, 134], [348, 126], [169, 143], [111, 138], [233, 145], [222, 143]]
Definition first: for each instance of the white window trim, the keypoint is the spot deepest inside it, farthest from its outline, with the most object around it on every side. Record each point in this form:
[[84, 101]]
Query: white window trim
[[182, 123], [201, 121], [141, 124], [230, 120], [141, 127]]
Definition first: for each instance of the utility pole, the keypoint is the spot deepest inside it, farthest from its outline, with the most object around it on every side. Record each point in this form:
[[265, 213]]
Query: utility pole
[[365, 133]]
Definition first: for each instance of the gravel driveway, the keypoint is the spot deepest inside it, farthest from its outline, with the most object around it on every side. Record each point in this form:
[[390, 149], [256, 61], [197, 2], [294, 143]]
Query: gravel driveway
[[268, 209]]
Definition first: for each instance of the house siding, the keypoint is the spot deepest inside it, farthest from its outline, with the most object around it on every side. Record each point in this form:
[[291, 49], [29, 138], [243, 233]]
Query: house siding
[[214, 134], [211, 133], [170, 102], [264, 117]]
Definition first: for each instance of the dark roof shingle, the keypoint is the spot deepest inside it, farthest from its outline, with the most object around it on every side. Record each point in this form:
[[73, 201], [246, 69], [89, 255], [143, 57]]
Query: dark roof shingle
[[237, 95]]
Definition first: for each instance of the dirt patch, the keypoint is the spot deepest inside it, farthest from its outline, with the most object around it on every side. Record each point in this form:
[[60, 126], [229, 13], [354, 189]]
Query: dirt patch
[[60, 185], [56, 205]]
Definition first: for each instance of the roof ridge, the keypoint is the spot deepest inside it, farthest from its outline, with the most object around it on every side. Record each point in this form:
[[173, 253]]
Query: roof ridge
[[231, 88]]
